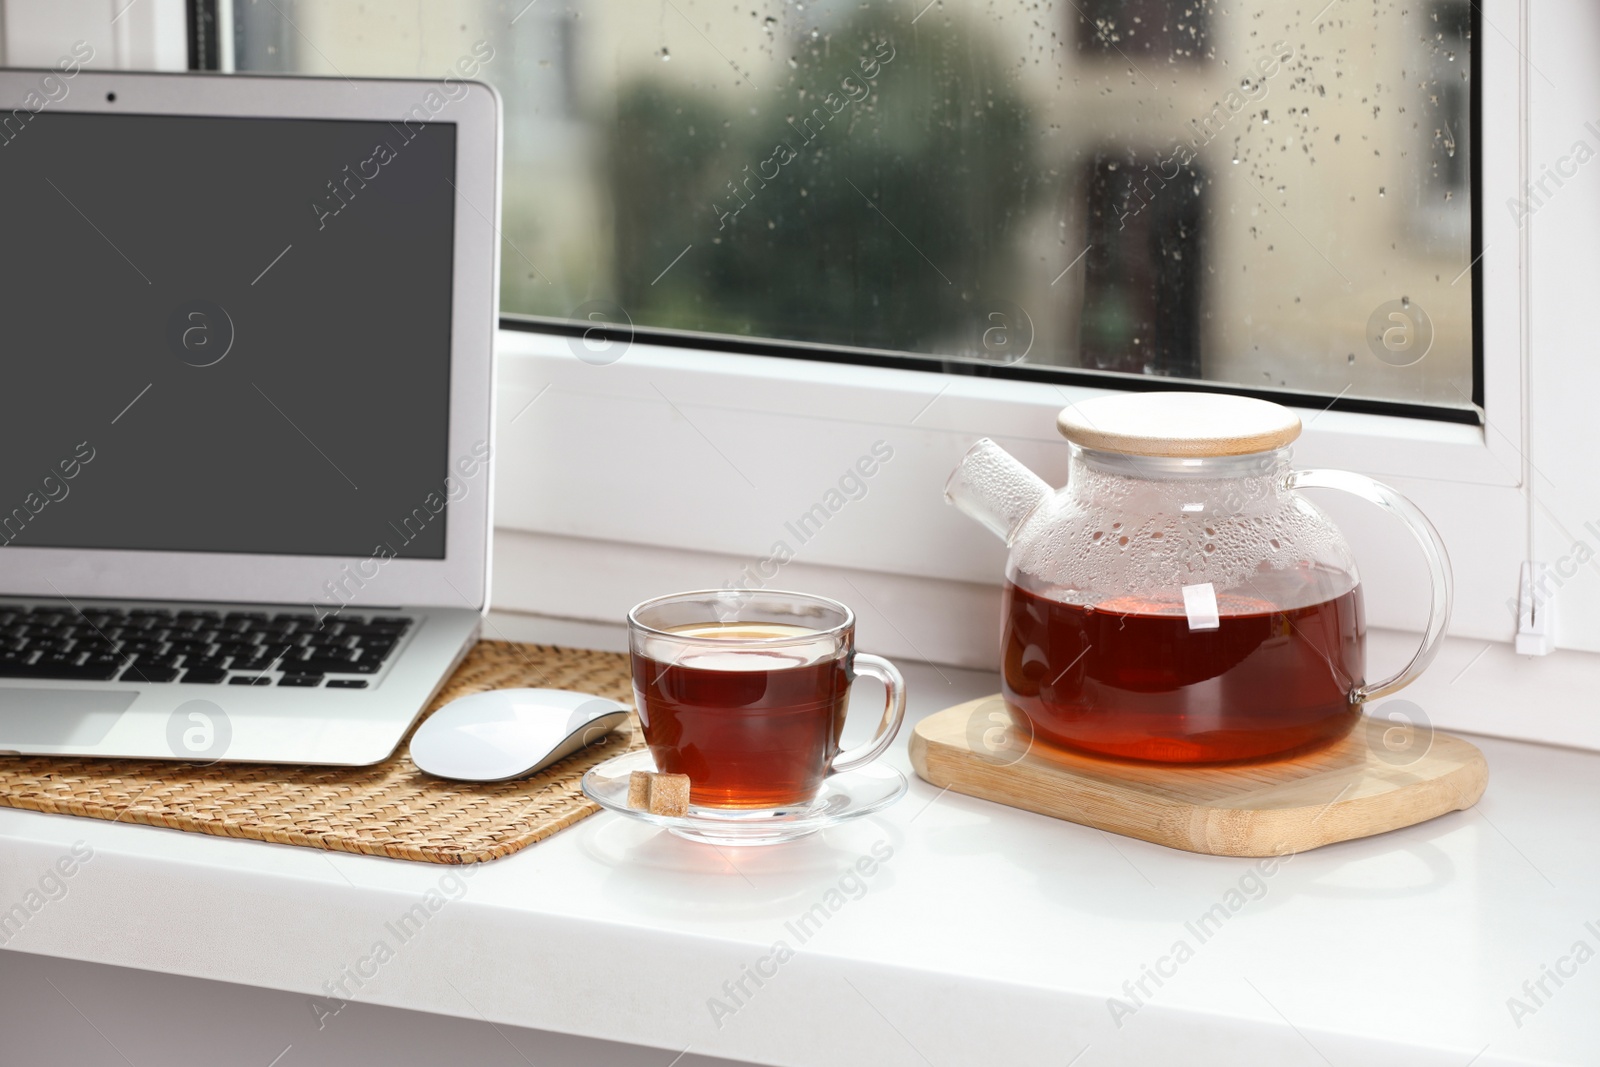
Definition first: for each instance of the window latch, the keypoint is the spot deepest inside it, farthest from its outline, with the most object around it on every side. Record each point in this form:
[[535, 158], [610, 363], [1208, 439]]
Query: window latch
[[1536, 623]]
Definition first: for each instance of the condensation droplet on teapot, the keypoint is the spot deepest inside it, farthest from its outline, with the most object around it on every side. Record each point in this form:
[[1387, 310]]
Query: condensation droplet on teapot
[[1064, 549]]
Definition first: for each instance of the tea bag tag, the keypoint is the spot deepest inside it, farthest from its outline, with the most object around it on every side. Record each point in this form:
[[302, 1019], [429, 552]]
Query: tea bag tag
[[1200, 605]]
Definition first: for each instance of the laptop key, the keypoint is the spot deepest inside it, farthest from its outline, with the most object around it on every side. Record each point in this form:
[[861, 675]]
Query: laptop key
[[328, 666], [306, 680], [204, 675], [326, 640], [243, 679], [141, 673], [336, 653], [60, 671], [375, 630], [347, 683]]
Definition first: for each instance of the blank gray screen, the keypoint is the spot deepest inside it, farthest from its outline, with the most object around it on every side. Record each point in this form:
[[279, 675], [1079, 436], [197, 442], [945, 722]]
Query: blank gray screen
[[244, 324]]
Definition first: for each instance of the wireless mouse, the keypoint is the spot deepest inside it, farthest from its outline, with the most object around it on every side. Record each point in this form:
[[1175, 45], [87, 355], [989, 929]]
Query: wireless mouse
[[507, 733]]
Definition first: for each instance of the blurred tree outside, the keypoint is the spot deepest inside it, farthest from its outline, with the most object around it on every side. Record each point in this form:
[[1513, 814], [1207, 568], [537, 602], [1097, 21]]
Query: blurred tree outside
[[876, 207]]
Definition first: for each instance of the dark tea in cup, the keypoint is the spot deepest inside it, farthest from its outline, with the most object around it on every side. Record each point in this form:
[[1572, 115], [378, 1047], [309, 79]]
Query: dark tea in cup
[[746, 693], [751, 728]]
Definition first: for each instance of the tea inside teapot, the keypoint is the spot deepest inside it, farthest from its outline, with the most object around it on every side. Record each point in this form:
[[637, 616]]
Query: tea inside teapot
[[1179, 601], [1141, 682]]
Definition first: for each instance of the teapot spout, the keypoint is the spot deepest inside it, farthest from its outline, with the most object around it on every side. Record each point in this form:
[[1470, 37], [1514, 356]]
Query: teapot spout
[[991, 486]]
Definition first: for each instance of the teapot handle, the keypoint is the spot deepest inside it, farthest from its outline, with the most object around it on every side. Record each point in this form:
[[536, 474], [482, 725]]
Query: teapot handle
[[1433, 551]]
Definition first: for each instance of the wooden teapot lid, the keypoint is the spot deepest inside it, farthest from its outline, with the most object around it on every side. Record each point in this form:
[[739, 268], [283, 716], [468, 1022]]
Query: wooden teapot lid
[[1186, 425]]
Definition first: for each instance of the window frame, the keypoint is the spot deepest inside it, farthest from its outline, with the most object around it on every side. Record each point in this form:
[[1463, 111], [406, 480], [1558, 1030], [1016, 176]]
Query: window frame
[[1048, 374]]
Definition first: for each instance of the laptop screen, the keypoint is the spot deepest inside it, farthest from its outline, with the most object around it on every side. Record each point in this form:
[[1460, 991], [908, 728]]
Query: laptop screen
[[227, 335]]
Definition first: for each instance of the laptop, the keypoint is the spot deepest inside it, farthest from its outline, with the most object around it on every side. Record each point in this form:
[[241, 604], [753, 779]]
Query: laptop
[[247, 329]]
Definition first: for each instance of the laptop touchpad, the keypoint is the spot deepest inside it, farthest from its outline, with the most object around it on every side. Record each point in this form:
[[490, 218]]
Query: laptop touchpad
[[59, 716]]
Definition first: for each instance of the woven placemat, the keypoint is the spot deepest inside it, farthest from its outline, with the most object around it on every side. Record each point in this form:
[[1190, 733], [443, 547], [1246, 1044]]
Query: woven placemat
[[389, 809]]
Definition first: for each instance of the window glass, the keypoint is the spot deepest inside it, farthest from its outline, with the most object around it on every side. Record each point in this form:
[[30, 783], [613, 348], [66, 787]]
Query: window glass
[[1255, 193]]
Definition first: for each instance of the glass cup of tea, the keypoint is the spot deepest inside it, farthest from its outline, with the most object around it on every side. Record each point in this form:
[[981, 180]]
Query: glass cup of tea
[[745, 691]]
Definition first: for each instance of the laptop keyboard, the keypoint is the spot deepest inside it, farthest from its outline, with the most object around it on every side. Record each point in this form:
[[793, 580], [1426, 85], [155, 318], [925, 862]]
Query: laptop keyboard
[[196, 647]]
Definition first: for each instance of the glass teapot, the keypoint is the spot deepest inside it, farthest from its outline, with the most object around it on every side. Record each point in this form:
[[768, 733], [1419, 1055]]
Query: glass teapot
[[1180, 601]]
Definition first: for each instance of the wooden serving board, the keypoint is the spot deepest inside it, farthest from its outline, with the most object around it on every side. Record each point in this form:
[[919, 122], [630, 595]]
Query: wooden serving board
[[1382, 777]]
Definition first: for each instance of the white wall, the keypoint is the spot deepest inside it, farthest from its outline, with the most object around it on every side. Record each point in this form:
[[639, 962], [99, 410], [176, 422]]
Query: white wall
[[125, 34]]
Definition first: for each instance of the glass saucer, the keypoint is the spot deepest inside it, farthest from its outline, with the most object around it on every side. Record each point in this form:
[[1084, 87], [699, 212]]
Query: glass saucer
[[843, 797]]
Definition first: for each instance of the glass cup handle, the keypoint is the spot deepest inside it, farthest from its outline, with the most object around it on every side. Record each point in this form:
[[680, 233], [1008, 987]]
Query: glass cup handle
[[1433, 551], [894, 711]]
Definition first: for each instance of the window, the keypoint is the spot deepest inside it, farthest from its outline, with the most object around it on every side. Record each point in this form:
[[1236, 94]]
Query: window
[[1257, 195]]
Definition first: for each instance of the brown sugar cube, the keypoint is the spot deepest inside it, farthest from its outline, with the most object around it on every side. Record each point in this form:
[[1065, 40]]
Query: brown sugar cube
[[639, 790], [657, 793], [669, 794]]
